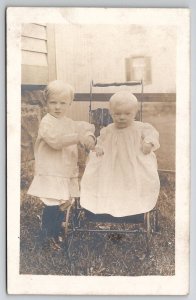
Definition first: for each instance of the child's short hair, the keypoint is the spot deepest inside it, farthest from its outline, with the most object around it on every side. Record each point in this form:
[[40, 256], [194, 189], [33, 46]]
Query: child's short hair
[[123, 97], [58, 86]]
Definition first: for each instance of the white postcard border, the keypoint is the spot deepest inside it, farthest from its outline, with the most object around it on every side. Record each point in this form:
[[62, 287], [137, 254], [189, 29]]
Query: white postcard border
[[87, 285]]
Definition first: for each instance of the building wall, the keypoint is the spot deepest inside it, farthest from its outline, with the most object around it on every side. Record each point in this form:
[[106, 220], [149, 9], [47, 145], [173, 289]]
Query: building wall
[[99, 52], [37, 54]]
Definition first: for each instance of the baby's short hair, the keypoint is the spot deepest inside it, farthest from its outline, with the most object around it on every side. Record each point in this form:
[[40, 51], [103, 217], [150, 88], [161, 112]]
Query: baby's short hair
[[59, 86], [123, 97]]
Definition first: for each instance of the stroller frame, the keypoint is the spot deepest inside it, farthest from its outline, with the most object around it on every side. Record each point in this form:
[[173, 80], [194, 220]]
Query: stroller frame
[[74, 223], [147, 227]]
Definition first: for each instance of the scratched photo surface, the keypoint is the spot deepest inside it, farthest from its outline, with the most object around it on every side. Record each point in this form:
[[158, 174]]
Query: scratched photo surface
[[121, 218]]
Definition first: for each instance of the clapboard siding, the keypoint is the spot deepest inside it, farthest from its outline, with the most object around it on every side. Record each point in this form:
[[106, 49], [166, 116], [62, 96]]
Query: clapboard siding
[[38, 54], [33, 45], [36, 31], [34, 58]]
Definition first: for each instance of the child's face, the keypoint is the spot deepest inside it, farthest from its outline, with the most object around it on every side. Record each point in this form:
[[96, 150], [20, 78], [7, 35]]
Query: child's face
[[58, 104], [123, 115]]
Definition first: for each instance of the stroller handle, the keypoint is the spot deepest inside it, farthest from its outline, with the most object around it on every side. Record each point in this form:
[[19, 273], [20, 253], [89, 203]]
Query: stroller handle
[[129, 83]]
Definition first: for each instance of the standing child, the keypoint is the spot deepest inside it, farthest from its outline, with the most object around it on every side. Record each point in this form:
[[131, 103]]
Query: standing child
[[121, 177], [56, 156]]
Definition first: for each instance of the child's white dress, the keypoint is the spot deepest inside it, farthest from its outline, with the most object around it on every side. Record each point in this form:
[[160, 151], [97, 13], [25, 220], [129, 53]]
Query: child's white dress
[[124, 181], [56, 159]]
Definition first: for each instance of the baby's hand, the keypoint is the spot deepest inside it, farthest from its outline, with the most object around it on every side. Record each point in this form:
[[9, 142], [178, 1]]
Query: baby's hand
[[146, 147], [99, 151], [89, 142]]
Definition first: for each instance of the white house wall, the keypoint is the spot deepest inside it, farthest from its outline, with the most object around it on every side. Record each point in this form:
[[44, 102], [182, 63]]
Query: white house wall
[[98, 52]]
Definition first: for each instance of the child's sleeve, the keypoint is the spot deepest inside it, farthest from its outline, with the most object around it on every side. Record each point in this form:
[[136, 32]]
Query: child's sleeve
[[54, 139], [150, 135], [84, 129]]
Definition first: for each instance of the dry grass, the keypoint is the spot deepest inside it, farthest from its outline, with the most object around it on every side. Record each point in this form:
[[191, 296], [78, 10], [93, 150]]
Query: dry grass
[[99, 254]]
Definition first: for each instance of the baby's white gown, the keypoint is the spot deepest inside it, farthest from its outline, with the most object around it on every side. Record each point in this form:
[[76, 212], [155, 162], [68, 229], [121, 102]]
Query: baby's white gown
[[124, 181]]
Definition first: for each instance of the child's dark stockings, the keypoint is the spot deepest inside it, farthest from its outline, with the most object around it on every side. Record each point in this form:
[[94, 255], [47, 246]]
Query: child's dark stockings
[[52, 219]]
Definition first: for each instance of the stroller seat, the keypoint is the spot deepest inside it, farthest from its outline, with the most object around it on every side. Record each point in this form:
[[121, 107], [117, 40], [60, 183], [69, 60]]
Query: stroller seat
[[106, 218]]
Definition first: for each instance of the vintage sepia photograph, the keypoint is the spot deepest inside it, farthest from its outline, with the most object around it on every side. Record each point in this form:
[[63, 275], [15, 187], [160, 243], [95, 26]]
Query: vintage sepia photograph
[[98, 136]]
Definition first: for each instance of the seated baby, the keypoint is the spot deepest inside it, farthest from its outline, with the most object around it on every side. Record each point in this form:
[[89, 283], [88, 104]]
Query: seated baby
[[121, 177]]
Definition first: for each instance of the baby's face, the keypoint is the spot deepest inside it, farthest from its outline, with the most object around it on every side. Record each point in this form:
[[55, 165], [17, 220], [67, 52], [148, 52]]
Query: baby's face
[[123, 115], [58, 104]]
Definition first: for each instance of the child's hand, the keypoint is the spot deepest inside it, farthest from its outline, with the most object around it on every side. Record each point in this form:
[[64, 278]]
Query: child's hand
[[146, 147], [99, 151], [89, 142]]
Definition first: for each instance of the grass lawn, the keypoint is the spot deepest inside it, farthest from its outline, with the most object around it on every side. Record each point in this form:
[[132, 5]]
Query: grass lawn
[[99, 254]]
